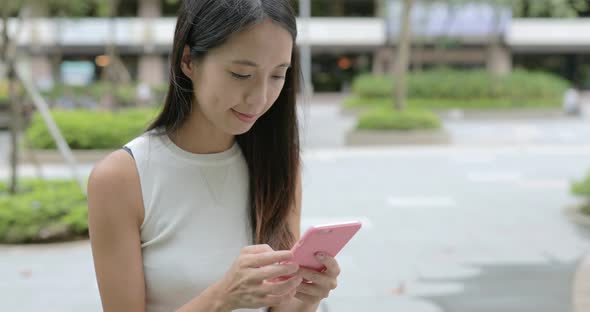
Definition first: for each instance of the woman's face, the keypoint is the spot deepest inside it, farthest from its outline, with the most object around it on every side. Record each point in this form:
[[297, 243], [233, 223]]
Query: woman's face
[[238, 82]]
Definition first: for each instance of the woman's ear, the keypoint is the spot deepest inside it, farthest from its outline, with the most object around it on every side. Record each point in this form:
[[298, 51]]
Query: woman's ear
[[186, 63]]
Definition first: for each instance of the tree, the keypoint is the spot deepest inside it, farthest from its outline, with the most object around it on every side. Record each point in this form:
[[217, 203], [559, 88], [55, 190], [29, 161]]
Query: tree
[[547, 8], [61, 9], [8, 56], [402, 56]]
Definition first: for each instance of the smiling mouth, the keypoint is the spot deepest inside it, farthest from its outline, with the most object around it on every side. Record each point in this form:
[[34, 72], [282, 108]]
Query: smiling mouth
[[244, 117]]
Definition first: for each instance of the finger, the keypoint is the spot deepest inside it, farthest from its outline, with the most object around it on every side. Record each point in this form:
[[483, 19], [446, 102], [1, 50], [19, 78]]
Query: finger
[[313, 290], [275, 270], [267, 258], [273, 300], [332, 266], [254, 249], [321, 279], [280, 288], [306, 298], [313, 276]]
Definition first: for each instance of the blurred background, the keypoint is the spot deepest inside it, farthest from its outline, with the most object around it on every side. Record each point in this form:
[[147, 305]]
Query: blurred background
[[457, 131]]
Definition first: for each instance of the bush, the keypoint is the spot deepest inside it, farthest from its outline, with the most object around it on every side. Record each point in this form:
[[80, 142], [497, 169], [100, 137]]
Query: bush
[[520, 88], [390, 119], [91, 129], [43, 211], [582, 189]]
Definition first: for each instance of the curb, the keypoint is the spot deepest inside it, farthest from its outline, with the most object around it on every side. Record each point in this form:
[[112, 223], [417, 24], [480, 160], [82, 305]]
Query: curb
[[502, 114], [393, 137], [462, 114], [581, 293], [576, 216], [54, 157]]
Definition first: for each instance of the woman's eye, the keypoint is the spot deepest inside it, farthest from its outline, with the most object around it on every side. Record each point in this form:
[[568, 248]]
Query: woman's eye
[[238, 76], [278, 77]]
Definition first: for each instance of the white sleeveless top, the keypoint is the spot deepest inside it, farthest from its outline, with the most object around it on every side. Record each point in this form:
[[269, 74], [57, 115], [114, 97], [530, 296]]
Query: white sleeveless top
[[196, 218]]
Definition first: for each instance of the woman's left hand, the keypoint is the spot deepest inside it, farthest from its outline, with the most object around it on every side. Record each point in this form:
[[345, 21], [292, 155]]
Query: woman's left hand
[[319, 284]]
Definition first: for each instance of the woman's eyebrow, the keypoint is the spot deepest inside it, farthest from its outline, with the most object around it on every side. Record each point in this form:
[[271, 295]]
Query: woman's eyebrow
[[253, 64]]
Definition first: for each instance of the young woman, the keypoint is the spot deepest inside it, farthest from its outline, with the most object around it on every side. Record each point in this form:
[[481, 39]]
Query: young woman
[[197, 213]]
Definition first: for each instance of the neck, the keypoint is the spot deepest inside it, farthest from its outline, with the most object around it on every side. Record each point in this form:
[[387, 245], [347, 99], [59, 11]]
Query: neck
[[199, 136]]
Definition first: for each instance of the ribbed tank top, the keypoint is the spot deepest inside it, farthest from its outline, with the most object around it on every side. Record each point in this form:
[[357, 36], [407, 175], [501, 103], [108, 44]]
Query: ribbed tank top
[[195, 219]]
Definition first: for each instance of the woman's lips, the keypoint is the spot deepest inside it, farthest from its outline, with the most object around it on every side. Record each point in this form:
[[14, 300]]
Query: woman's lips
[[244, 117]]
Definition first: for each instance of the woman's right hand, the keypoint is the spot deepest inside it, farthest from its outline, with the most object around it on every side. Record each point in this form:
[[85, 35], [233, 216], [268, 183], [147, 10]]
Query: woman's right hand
[[254, 280]]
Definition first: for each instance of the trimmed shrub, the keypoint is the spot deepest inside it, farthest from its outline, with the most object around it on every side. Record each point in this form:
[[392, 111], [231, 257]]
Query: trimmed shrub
[[84, 129], [43, 211], [390, 119], [582, 189], [455, 88]]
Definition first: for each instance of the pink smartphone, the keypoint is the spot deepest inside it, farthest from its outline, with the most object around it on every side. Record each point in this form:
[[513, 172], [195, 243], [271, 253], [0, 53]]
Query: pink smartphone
[[328, 238]]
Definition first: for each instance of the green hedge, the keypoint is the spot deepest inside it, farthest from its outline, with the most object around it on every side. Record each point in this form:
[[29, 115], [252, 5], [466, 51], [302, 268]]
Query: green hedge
[[445, 86], [91, 129], [389, 119], [582, 189], [43, 211]]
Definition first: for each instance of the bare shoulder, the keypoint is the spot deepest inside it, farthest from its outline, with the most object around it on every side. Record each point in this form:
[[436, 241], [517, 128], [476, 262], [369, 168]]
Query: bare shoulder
[[114, 182], [115, 214]]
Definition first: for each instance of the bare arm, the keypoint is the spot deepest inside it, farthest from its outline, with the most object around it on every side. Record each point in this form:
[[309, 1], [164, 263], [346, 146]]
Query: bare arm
[[115, 214]]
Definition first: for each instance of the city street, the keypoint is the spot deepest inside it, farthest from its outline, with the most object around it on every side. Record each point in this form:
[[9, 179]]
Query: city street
[[478, 225]]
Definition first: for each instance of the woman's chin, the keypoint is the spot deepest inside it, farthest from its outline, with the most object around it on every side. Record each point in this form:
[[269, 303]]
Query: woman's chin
[[241, 129]]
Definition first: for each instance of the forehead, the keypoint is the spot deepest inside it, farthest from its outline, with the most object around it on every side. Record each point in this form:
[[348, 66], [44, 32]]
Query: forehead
[[266, 43]]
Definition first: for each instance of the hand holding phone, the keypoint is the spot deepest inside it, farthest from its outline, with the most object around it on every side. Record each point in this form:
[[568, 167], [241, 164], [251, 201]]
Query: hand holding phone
[[327, 238]]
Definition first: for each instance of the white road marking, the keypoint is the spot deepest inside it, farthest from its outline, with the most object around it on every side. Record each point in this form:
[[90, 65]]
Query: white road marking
[[494, 176], [543, 184], [423, 201]]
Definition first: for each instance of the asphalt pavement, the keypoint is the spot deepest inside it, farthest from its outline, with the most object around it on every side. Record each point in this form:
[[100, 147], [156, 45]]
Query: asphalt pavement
[[468, 227]]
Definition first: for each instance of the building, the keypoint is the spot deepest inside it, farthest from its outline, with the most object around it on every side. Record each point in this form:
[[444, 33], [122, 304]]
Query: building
[[472, 36]]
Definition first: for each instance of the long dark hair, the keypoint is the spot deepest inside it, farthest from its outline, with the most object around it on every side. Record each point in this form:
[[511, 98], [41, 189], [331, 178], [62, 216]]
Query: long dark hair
[[271, 147]]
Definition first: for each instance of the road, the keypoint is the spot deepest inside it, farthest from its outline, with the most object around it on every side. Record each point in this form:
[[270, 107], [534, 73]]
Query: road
[[459, 228]]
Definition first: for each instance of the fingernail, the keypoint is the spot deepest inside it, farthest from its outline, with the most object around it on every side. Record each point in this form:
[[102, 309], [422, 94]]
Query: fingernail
[[320, 255]]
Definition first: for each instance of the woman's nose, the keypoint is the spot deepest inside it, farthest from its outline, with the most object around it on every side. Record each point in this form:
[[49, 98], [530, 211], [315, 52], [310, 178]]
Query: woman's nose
[[258, 95]]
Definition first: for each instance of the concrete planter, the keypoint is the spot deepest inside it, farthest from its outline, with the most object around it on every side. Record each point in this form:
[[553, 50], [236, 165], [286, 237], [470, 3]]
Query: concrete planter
[[575, 214], [481, 114], [396, 137], [54, 157], [515, 113]]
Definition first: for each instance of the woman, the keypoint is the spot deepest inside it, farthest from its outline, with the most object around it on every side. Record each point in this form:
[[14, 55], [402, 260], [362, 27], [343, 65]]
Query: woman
[[197, 213]]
